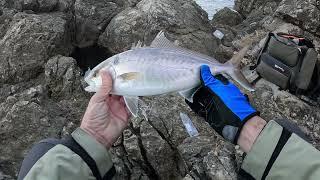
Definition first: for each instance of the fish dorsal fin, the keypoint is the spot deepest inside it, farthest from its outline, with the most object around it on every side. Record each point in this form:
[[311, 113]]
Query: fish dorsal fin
[[137, 45], [161, 41], [132, 105]]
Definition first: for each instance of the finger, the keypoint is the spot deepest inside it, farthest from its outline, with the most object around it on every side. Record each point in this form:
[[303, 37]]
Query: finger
[[207, 77], [122, 101], [105, 88], [116, 97]]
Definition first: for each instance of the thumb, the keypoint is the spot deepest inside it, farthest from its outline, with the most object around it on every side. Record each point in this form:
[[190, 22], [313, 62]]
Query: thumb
[[206, 76], [105, 88]]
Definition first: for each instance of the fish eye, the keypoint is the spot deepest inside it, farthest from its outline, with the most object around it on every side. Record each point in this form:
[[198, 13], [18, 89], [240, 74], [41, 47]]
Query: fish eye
[[95, 74]]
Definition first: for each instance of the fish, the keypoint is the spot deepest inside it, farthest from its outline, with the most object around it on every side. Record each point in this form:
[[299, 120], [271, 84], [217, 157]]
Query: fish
[[161, 68]]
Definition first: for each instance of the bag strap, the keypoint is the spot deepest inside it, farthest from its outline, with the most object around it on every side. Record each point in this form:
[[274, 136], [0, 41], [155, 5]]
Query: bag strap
[[301, 40], [265, 45]]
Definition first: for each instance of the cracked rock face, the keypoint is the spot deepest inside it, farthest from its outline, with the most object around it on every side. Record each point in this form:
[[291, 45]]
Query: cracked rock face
[[92, 17], [306, 14], [184, 20], [62, 76], [28, 43]]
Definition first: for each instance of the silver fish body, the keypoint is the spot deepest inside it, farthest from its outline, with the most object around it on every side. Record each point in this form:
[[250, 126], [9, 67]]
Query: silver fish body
[[160, 69], [154, 71]]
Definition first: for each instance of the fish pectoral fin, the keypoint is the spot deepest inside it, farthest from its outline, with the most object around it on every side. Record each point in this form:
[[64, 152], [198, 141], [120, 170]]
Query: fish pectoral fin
[[130, 76], [188, 94], [132, 104]]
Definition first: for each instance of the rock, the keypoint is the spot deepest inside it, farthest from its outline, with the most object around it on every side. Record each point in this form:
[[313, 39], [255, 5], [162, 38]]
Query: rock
[[36, 5], [303, 13], [265, 7], [224, 53], [92, 17], [65, 5], [227, 16], [7, 3], [28, 5], [29, 42], [214, 169], [158, 152], [63, 77], [6, 16], [47, 5], [23, 123], [184, 20], [255, 13], [5, 177], [150, 147], [131, 3], [207, 158]]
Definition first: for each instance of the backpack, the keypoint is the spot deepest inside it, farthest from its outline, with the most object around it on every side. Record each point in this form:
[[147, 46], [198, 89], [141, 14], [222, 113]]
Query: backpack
[[289, 62]]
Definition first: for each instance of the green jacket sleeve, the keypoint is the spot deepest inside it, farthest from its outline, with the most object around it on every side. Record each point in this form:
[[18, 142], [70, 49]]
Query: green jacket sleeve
[[280, 154], [79, 157]]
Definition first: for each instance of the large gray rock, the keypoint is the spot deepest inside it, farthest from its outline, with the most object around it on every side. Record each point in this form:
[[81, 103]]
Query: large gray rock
[[227, 16], [7, 4], [92, 17], [50, 105], [65, 5], [255, 12], [62, 77], [303, 13], [37, 5], [29, 42], [24, 120], [5, 177], [6, 16], [208, 158], [184, 20], [265, 7]]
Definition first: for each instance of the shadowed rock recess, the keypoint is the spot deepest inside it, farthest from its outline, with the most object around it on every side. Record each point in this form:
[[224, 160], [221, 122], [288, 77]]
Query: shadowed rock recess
[[45, 45]]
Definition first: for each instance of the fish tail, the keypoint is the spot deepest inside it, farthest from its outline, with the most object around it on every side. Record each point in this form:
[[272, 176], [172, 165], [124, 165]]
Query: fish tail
[[235, 73]]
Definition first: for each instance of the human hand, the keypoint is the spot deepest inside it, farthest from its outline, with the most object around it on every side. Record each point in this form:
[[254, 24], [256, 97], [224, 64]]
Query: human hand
[[106, 116], [222, 105]]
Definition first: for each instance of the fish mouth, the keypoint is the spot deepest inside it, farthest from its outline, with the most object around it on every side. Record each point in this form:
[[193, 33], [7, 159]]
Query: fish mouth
[[94, 83]]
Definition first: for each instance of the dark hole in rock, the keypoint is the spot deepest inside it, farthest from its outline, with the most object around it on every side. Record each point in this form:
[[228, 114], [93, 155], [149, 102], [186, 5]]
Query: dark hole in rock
[[89, 57]]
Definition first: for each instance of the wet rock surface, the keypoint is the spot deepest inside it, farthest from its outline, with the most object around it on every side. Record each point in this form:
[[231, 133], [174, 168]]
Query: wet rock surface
[[42, 90]]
